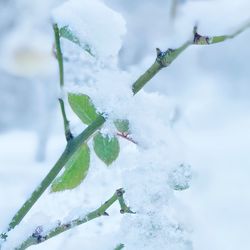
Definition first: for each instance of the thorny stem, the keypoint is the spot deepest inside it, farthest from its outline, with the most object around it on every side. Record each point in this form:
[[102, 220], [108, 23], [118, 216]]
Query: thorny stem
[[39, 236], [163, 59]]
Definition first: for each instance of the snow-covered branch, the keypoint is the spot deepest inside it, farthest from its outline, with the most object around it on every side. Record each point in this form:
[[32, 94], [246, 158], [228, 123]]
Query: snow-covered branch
[[39, 236]]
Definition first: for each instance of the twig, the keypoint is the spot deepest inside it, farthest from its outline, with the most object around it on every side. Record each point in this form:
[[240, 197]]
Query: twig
[[126, 137], [164, 59], [39, 236], [124, 208]]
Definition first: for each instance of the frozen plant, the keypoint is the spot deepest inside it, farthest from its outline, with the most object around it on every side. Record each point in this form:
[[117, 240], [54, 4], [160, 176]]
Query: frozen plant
[[109, 107]]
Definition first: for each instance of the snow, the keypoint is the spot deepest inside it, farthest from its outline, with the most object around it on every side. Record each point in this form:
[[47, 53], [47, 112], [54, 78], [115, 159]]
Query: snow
[[191, 123], [94, 23]]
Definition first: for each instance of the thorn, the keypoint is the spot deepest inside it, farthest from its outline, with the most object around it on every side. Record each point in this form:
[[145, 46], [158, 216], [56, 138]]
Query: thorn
[[105, 214], [158, 52]]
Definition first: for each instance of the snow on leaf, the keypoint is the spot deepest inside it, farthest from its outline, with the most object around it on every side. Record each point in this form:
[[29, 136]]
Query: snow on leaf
[[83, 107], [106, 148], [93, 23], [68, 34], [75, 170]]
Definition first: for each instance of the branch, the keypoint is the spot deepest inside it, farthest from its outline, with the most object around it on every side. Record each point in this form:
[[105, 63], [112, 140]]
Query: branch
[[124, 208], [207, 40], [164, 59], [70, 149], [39, 236]]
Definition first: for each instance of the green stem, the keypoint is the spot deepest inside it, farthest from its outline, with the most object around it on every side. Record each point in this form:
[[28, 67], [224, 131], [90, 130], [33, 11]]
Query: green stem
[[59, 54], [147, 76], [207, 40], [163, 59], [67, 131], [70, 149], [123, 205], [39, 237]]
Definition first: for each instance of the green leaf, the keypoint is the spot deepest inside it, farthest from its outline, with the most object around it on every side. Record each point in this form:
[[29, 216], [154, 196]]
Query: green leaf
[[106, 148], [122, 125], [83, 107], [75, 171], [68, 34]]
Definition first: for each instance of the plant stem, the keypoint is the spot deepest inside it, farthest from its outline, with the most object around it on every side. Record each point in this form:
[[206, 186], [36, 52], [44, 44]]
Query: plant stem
[[39, 237], [124, 207], [70, 149], [163, 59], [68, 134], [59, 54], [207, 40], [147, 76], [126, 137]]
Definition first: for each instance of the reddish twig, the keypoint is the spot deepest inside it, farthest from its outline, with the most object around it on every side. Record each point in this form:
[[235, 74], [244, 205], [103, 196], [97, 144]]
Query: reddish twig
[[126, 137]]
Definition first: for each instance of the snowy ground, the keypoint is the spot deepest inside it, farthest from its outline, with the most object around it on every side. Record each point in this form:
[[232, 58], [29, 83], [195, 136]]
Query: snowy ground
[[211, 88]]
